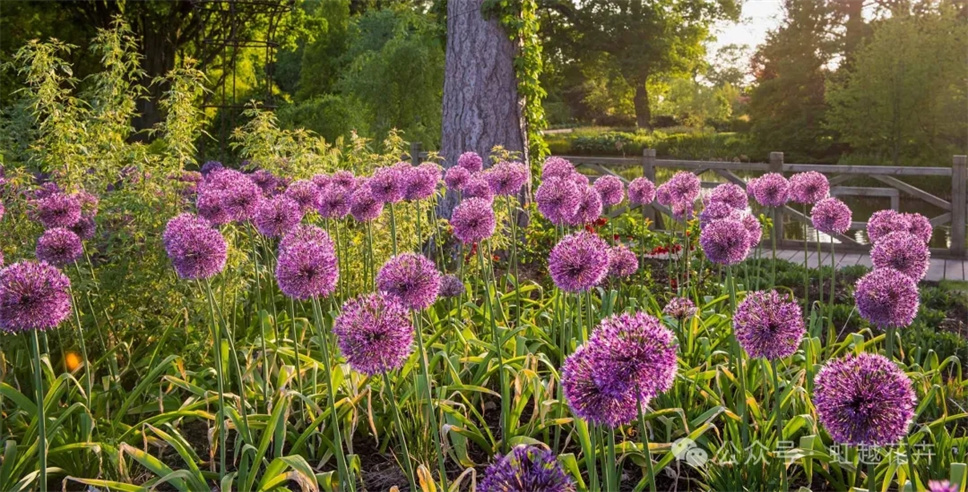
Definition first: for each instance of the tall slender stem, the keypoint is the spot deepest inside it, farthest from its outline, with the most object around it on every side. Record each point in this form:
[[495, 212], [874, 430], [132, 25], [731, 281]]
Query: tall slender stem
[[645, 440], [776, 217], [219, 374], [806, 272], [425, 373], [393, 229], [738, 360], [407, 464], [499, 352], [831, 336], [779, 419], [512, 213], [88, 370], [41, 418], [258, 313]]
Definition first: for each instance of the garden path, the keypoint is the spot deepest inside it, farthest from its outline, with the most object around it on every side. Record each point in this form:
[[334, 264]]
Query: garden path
[[941, 268]]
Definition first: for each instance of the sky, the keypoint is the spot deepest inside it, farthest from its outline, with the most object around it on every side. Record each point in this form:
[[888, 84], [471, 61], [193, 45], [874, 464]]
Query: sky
[[758, 17]]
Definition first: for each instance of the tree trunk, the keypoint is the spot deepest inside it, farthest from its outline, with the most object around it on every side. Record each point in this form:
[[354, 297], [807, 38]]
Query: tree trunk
[[643, 113], [159, 58], [482, 107]]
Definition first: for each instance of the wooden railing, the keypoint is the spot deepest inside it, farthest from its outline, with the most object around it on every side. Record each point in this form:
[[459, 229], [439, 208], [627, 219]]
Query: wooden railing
[[953, 211]]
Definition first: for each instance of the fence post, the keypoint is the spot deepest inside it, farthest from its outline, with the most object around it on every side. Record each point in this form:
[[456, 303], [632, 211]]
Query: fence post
[[415, 153], [648, 171], [776, 166], [959, 203]]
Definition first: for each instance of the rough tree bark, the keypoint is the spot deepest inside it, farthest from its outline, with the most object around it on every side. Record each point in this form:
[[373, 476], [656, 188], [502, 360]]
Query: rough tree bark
[[643, 112], [482, 107]]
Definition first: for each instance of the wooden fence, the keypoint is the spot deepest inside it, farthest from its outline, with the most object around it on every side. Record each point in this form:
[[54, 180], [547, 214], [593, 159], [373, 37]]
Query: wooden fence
[[953, 211]]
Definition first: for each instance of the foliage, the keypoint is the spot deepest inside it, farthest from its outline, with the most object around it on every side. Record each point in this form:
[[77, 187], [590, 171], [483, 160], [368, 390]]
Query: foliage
[[676, 143]]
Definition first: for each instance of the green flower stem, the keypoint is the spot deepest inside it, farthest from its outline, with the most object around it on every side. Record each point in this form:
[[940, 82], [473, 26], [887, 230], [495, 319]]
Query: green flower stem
[[778, 409], [645, 441], [425, 373], [88, 370], [407, 464], [258, 312], [219, 374], [41, 418], [345, 477], [499, 352], [393, 229], [738, 360]]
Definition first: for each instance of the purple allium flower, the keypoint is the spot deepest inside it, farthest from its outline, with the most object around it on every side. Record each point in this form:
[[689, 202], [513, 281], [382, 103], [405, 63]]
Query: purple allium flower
[[715, 211], [579, 262], [196, 250], [679, 308], [211, 166], [363, 206], [473, 220], [421, 181], [58, 210], [302, 233], [557, 199], [411, 279], [864, 400], [684, 187], [579, 179], [920, 226], [344, 178], [683, 210], [451, 286], [506, 178], [477, 187], [387, 184], [770, 190], [589, 207], [84, 228], [556, 167], [305, 193], [884, 222], [641, 191], [307, 269], [830, 216], [46, 189], [808, 187], [611, 189], [267, 182], [621, 262], [587, 398], [663, 195], [321, 180], [636, 353], [471, 161], [731, 195], [59, 247], [754, 231], [240, 197], [456, 177], [334, 202], [277, 215], [903, 252], [724, 242], [89, 202], [887, 297], [211, 205], [526, 469], [768, 325], [33, 296], [374, 333], [942, 486]]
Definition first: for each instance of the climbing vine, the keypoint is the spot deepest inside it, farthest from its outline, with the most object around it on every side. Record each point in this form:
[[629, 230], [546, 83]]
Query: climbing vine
[[520, 19]]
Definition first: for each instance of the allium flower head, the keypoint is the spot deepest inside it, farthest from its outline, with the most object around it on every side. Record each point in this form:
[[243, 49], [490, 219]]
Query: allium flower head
[[887, 297], [768, 325], [210, 204], [374, 333], [641, 191], [411, 279], [754, 231], [334, 202], [277, 215], [267, 182], [578, 262], [903, 252], [452, 286], [884, 222], [473, 220], [307, 269], [579, 179], [477, 187], [611, 189], [89, 202], [47, 189], [809, 187], [84, 227], [636, 353], [345, 179], [58, 210], [684, 187], [456, 177], [663, 195], [471, 161], [770, 190], [587, 398], [59, 247], [321, 180], [305, 193], [302, 233], [363, 206], [621, 262], [589, 207], [724, 242], [864, 400], [679, 308], [730, 194], [196, 250], [556, 167], [211, 166], [506, 178], [33, 296], [830, 216], [421, 181], [240, 197], [715, 211], [557, 199], [920, 226], [942, 486], [526, 469]]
